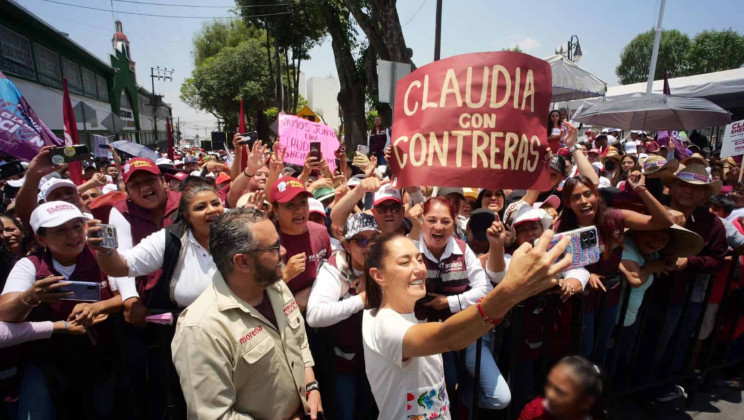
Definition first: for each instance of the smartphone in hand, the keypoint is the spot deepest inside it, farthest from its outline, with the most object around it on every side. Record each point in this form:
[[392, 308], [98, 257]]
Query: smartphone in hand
[[83, 291], [66, 154], [584, 246], [315, 150], [108, 233]]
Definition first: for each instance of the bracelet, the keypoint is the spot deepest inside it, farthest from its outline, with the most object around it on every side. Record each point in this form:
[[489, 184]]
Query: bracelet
[[246, 174], [24, 300], [65, 325], [485, 318], [312, 386], [640, 188]]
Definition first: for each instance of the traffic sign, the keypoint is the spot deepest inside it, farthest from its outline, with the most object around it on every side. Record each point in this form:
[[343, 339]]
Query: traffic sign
[[308, 114]]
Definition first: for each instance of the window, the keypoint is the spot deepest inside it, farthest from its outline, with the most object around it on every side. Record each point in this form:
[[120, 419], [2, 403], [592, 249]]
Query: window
[[47, 63], [89, 82], [102, 88], [15, 54], [72, 73]]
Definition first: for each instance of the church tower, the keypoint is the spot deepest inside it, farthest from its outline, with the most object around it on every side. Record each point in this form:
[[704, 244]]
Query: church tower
[[121, 43]]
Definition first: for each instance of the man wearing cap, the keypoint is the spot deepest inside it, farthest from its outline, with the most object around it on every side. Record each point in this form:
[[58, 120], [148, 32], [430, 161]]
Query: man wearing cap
[[387, 205], [241, 350], [689, 188], [190, 164], [307, 243]]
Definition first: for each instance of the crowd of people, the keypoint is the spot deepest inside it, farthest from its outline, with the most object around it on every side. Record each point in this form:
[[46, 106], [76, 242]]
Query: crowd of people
[[219, 286]]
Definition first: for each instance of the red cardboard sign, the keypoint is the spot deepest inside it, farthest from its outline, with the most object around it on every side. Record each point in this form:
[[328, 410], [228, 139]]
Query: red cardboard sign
[[473, 120]]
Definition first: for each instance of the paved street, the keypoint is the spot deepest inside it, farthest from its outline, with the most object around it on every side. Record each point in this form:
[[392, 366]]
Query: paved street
[[719, 404]]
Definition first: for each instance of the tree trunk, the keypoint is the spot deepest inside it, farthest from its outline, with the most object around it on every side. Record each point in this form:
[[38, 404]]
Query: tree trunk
[[268, 49], [279, 86], [387, 15], [297, 84], [290, 87], [351, 95]]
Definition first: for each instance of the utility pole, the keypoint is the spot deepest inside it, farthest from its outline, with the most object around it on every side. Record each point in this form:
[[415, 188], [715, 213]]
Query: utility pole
[[160, 74], [438, 31]]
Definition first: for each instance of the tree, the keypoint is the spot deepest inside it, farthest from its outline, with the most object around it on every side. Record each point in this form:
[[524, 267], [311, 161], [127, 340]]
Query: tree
[[715, 51], [513, 49], [293, 30], [636, 57], [229, 65]]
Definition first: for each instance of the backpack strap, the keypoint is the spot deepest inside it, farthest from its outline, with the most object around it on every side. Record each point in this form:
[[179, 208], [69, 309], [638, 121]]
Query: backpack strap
[[159, 298]]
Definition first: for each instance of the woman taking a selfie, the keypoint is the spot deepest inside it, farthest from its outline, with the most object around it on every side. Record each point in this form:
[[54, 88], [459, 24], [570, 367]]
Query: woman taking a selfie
[[402, 356], [181, 250], [77, 376]]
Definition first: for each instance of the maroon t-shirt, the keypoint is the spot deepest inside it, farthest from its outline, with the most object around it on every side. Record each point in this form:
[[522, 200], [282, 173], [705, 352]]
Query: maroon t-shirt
[[265, 309], [316, 244]]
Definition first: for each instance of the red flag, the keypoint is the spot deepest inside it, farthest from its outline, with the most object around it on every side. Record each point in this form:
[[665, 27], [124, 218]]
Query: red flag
[[169, 131], [242, 129], [75, 169], [667, 90]]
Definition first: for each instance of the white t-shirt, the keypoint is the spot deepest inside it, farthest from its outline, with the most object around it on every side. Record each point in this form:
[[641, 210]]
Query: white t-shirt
[[23, 275], [402, 389]]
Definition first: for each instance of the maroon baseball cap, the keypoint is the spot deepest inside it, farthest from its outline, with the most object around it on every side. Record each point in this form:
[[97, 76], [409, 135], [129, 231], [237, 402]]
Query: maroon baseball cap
[[180, 176], [139, 164], [563, 151], [287, 188]]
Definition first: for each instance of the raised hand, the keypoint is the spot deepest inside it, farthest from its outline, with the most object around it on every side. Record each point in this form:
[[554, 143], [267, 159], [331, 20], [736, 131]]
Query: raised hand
[[570, 134]]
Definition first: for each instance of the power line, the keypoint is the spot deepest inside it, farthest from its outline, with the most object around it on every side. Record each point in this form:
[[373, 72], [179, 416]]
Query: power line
[[250, 6], [415, 14], [165, 16]]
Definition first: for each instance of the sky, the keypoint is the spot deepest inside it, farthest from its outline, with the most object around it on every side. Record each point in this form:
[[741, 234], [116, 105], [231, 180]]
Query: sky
[[603, 27]]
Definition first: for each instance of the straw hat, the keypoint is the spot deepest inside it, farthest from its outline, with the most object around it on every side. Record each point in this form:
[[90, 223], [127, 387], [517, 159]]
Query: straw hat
[[682, 242], [612, 154], [695, 158], [694, 174], [655, 165]]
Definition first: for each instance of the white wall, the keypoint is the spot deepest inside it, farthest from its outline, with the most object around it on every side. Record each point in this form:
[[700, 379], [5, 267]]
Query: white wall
[[322, 93]]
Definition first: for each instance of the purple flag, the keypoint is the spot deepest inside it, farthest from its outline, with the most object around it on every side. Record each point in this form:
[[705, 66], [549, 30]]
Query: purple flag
[[665, 136], [22, 133]]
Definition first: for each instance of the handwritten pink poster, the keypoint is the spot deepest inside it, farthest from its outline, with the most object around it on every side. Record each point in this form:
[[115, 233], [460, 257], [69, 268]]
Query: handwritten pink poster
[[297, 133]]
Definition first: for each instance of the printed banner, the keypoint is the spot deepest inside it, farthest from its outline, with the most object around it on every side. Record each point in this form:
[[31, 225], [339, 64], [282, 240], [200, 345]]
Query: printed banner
[[733, 140], [473, 120], [296, 134], [663, 137], [22, 133]]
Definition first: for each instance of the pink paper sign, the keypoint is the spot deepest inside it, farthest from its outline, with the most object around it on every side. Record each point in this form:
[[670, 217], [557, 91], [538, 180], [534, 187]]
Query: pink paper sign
[[297, 133]]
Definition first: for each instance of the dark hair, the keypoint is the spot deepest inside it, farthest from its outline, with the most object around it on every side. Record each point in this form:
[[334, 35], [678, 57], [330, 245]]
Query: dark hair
[[190, 187], [722, 202], [550, 123], [428, 204], [479, 199], [590, 380], [619, 174], [567, 220], [375, 254], [231, 234]]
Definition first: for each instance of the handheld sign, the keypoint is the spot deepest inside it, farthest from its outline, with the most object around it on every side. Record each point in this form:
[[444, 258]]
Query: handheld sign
[[473, 120], [297, 133], [733, 139]]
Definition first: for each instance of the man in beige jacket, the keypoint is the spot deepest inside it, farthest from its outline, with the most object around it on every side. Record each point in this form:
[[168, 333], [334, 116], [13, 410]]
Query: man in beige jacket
[[240, 349]]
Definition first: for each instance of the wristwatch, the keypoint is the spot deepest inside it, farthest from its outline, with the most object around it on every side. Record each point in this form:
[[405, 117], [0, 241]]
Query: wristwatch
[[574, 148], [312, 386]]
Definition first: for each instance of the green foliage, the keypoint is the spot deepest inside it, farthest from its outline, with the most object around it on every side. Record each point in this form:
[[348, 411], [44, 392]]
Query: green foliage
[[715, 51], [371, 115], [514, 49], [636, 57], [217, 35], [223, 76]]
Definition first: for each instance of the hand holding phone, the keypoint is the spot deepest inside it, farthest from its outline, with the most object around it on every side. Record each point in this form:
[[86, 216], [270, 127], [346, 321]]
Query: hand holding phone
[[315, 150], [363, 149], [66, 154], [584, 246], [83, 291]]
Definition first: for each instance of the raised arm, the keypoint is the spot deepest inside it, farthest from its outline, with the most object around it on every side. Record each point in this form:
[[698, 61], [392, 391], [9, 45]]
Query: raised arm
[[254, 162], [659, 218], [343, 209], [570, 137], [532, 271], [38, 168]]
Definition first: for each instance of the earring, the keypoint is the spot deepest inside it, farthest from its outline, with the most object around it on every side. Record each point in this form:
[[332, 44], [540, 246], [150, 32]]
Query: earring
[[383, 289]]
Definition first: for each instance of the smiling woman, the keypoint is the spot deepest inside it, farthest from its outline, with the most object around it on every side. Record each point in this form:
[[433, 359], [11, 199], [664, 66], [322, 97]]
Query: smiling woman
[[181, 250]]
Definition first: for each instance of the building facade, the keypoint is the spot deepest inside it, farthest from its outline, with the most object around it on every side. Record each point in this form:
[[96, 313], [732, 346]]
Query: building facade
[[36, 57]]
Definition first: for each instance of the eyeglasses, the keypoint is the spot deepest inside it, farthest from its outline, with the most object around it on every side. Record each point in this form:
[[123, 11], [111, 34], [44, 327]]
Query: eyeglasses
[[362, 242], [394, 209], [277, 248]]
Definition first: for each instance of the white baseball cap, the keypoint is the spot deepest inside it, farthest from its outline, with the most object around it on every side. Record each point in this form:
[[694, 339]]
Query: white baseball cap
[[530, 214], [53, 184], [54, 213], [385, 193], [109, 188], [316, 206]]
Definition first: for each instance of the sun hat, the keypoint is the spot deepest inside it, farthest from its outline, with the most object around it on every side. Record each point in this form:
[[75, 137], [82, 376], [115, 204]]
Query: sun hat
[[612, 154], [654, 165], [55, 184], [54, 213], [470, 193], [694, 158], [479, 222], [630, 147], [316, 206], [694, 174], [222, 178], [682, 242], [137, 165], [387, 193], [323, 193], [358, 223], [287, 189]]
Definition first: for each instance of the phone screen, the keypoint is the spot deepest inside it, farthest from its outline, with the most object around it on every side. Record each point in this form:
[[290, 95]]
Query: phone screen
[[315, 150], [65, 154]]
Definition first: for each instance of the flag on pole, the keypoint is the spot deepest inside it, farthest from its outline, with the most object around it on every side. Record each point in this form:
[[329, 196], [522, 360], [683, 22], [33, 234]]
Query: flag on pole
[[242, 129], [75, 169], [666, 136], [169, 131], [22, 133], [667, 90]]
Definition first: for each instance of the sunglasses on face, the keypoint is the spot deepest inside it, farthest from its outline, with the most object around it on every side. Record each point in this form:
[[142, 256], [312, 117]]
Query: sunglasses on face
[[363, 242], [394, 209]]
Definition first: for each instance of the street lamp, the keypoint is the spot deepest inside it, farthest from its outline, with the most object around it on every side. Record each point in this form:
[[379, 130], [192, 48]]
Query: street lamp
[[574, 49]]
